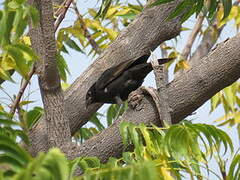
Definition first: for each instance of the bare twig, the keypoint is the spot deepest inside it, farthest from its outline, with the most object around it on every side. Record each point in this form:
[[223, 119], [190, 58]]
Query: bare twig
[[61, 12], [21, 91], [32, 71], [192, 37], [163, 106], [85, 30]]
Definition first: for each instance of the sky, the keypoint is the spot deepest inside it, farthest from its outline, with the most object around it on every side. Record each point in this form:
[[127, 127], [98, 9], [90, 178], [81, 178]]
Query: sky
[[78, 62]]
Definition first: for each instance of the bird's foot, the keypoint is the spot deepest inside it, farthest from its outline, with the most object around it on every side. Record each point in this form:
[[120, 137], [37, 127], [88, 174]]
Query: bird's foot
[[135, 98]]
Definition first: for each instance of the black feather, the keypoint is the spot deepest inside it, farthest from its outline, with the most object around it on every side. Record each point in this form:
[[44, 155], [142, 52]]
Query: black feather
[[116, 83]]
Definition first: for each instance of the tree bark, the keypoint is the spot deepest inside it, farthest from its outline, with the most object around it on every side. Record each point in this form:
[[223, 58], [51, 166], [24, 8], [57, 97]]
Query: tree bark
[[211, 74], [145, 33], [43, 42], [186, 93]]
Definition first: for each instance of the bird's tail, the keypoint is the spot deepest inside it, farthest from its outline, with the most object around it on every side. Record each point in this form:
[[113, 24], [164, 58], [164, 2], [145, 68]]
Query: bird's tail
[[164, 60]]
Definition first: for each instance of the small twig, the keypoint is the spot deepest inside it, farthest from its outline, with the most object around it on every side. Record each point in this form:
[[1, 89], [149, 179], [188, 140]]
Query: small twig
[[32, 71], [85, 30], [192, 37], [161, 82], [140, 4], [61, 12], [21, 91]]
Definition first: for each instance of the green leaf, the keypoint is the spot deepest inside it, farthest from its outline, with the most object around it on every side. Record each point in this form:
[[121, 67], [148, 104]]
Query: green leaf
[[13, 162], [34, 15], [94, 119], [6, 25], [32, 116], [13, 5], [227, 6], [73, 164], [17, 55], [128, 157], [130, 15], [212, 8], [188, 14], [20, 1], [89, 162], [111, 113], [28, 52], [22, 103], [72, 44], [23, 136], [62, 67], [159, 2], [56, 163], [7, 122], [230, 97], [179, 9], [233, 173], [124, 132], [199, 6], [11, 149], [85, 133], [19, 24], [5, 75], [215, 101], [104, 8]]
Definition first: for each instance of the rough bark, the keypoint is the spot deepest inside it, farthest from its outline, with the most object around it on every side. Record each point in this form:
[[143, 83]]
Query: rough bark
[[186, 93], [145, 33], [162, 104], [210, 37], [43, 42]]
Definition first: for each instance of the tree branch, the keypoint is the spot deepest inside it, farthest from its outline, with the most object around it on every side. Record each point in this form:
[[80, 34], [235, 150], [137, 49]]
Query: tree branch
[[61, 12], [192, 37], [186, 93], [44, 43], [209, 39], [145, 33], [20, 93], [32, 71], [85, 31], [161, 82]]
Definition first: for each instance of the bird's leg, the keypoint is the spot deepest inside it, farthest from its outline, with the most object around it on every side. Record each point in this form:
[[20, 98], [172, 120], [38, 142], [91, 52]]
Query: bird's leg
[[135, 98], [118, 100]]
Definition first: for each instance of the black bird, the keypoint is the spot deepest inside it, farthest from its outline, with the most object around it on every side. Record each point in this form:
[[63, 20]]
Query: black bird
[[116, 83]]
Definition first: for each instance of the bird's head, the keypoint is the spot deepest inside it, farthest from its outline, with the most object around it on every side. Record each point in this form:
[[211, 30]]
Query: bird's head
[[90, 96]]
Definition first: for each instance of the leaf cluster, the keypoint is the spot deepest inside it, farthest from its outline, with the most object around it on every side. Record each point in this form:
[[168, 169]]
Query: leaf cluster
[[170, 153]]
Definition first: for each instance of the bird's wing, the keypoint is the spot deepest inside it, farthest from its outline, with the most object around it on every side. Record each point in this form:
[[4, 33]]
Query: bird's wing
[[112, 73]]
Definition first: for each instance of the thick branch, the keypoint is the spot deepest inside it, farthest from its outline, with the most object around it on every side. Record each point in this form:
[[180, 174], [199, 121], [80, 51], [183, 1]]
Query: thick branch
[[186, 93], [161, 82], [192, 37], [145, 33], [25, 82], [209, 39], [57, 125]]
